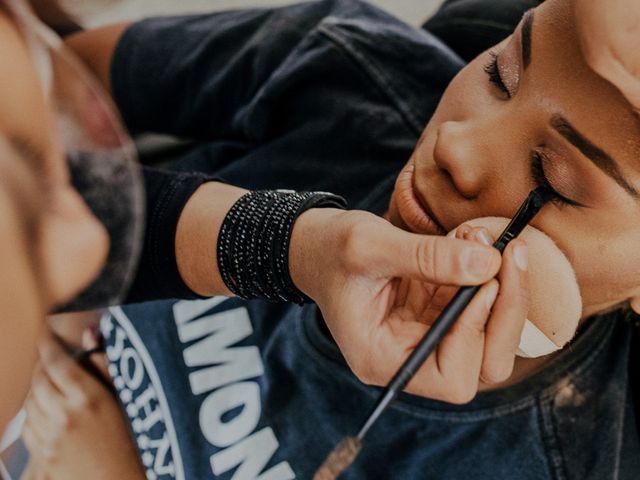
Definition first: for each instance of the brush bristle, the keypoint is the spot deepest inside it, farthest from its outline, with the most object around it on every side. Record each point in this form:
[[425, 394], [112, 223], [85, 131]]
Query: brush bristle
[[339, 459]]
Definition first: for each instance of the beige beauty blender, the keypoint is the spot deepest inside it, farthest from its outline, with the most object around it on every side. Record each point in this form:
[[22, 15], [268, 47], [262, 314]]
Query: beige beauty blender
[[556, 305]]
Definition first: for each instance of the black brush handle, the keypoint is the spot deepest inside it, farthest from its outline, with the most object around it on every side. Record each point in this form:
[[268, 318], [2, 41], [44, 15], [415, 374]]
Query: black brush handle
[[430, 341], [529, 208], [427, 345]]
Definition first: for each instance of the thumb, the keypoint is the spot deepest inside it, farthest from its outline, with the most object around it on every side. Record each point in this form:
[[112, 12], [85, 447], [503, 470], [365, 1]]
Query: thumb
[[441, 260]]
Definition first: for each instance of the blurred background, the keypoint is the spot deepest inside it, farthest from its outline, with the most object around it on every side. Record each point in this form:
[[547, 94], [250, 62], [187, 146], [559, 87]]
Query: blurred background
[[412, 11]]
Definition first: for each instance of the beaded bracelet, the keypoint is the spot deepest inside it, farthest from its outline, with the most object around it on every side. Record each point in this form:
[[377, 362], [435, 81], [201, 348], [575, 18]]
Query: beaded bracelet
[[253, 243]]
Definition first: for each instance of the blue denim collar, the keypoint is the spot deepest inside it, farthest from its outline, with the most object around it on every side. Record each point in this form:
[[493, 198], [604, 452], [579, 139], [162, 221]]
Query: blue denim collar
[[575, 360]]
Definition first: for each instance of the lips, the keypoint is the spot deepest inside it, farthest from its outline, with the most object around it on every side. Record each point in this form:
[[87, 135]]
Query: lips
[[413, 209]]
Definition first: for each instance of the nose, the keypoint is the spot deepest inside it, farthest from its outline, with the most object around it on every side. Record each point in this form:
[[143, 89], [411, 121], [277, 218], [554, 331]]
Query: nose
[[458, 153]]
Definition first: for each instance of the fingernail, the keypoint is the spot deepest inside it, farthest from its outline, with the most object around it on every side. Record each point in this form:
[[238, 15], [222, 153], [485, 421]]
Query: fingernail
[[492, 293], [521, 256], [483, 237], [476, 261]]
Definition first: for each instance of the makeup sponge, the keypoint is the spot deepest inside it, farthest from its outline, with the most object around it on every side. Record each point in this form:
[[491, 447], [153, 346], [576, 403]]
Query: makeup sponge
[[556, 305]]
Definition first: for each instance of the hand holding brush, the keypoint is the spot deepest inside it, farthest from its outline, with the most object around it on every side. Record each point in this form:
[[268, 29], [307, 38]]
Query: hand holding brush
[[457, 309]]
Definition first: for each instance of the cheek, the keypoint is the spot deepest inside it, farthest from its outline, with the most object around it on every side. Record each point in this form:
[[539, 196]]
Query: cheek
[[607, 270], [75, 246]]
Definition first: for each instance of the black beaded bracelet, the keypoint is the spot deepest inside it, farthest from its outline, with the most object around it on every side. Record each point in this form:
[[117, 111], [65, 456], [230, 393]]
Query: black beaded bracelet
[[253, 243]]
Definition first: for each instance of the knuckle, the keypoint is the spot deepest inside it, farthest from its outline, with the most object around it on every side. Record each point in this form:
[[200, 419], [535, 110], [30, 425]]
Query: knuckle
[[50, 454], [364, 375], [494, 373], [64, 422], [47, 454], [461, 393], [524, 298], [71, 375], [426, 255], [471, 331], [352, 238], [84, 400]]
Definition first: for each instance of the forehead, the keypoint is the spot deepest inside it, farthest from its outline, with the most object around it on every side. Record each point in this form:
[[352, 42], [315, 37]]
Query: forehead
[[567, 85]]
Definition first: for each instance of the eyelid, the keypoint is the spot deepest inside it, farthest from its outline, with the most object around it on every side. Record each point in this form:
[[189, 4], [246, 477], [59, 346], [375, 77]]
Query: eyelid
[[551, 158], [509, 73], [492, 70]]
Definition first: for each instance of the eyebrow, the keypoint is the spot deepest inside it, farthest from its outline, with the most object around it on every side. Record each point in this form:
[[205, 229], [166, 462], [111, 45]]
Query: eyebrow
[[598, 156], [527, 25], [561, 125]]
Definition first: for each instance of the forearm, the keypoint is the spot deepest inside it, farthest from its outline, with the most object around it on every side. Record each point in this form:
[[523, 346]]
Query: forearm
[[197, 237], [158, 275]]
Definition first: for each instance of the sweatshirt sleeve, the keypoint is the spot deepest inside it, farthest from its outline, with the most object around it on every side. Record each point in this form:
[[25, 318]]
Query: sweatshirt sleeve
[[167, 194], [195, 76]]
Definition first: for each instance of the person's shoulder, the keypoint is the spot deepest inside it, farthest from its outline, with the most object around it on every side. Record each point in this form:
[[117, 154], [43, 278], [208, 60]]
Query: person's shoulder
[[408, 63], [360, 24]]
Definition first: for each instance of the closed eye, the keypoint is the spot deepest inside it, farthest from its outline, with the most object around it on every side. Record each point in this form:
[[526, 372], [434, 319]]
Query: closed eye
[[493, 72], [539, 177]]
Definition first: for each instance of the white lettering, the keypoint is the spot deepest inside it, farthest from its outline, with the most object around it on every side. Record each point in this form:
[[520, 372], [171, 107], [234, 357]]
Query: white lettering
[[162, 448], [230, 364], [252, 454], [152, 414], [130, 358], [233, 409], [114, 351], [245, 395], [188, 310]]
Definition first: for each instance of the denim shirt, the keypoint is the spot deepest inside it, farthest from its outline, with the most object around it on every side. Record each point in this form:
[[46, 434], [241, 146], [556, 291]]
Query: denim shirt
[[328, 95]]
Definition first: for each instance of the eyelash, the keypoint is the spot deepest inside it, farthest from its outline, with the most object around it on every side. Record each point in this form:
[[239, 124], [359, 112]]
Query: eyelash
[[492, 70], [537, 172]]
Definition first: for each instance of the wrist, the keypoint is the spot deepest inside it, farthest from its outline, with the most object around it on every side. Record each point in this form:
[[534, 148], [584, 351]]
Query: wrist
[[314, 243], [197, 234]]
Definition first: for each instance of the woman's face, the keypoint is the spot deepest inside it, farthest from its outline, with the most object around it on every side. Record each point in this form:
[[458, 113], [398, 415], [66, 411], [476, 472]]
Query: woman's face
[[51, 245], [531, 111]]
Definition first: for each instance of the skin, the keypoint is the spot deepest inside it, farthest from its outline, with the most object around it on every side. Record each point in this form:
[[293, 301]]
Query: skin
[[28, 289], [70, 404], [71, 247], [18, 302], [608, 33], [478, 133]]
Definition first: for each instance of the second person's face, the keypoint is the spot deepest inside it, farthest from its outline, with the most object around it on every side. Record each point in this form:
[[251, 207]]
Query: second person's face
[[51, 245]]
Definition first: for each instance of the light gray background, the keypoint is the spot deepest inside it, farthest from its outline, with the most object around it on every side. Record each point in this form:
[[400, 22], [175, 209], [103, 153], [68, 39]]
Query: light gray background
[[412, 11]]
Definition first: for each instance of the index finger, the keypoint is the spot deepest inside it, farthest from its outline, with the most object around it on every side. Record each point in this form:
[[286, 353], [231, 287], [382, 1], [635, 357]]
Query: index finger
[[508, 315]]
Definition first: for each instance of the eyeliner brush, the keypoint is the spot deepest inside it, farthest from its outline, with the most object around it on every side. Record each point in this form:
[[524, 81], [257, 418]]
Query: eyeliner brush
[[347, 450]]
